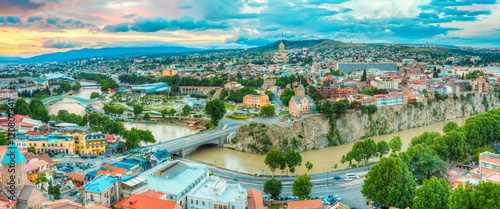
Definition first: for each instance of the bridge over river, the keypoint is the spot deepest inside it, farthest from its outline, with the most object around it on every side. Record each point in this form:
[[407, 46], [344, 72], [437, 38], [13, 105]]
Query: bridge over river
[[81, 101], [185, 145]]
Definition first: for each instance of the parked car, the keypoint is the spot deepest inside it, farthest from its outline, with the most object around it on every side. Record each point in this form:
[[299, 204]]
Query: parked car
[[337, 197], [336, 177], [108, 155], [72, 193]]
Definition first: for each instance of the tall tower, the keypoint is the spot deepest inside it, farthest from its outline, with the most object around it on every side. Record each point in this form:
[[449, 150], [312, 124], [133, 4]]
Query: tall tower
[[282, 46], [301, 91], [13, 169]]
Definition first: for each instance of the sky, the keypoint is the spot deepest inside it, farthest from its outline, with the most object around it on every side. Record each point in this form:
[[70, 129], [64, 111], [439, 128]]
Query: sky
[[33, 27]]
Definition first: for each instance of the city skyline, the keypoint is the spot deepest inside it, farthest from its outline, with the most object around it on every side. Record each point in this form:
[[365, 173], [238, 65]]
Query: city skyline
[[30, 28]]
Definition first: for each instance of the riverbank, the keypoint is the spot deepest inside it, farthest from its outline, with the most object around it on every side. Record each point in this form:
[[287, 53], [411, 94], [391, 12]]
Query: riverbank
[[323, 160]]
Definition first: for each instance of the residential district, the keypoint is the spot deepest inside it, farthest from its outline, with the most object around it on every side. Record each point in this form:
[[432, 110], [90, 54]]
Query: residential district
[[80, 155]]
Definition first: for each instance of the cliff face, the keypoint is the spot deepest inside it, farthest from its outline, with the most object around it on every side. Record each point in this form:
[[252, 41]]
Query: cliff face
[[311, 132]]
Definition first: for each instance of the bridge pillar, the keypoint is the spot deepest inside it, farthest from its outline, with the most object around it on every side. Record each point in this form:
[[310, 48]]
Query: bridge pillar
[[182, 153], [221, 141]]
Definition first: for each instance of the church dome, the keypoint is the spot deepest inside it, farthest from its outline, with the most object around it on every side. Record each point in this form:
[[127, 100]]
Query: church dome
[[13, 154], [281, 44]]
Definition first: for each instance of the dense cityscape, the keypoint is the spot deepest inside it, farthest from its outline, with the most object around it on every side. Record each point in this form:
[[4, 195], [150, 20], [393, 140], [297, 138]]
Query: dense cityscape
[[249, 104]]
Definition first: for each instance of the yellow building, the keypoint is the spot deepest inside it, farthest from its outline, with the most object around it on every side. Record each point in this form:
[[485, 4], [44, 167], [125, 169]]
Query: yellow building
[[52, 143], [168, 72], [255, 100], [90, 143]]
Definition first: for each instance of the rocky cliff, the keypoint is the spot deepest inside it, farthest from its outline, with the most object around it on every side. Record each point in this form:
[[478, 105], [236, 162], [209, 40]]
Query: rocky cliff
[[315, 132]]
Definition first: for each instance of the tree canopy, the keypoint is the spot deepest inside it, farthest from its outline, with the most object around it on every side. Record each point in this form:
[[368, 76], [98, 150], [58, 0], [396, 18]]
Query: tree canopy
[[390, 183], [267, 110], [273, 187], [433, 193], [302, 186]]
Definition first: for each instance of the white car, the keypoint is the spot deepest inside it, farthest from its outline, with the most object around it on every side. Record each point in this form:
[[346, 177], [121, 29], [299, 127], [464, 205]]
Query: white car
[[337, 197]]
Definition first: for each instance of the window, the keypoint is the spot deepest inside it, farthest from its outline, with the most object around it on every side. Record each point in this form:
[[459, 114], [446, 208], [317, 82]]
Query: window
[[191, 201], [197, 202], [91, 197], [203, 203]]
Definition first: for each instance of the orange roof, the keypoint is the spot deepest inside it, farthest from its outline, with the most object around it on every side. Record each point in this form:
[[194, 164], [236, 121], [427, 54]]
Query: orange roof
[[76, 176], [45, 157], [113, 168], [153, 194], [303, 204], [111, 173], [145, 202], [255, 199]]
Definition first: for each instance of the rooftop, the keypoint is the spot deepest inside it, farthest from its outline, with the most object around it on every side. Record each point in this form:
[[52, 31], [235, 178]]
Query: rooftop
[[178, 182], [13, 154], [219, 191], [145, 202]]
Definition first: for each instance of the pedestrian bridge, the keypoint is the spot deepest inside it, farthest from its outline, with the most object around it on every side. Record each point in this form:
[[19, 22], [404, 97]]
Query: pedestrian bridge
[[79, 100]]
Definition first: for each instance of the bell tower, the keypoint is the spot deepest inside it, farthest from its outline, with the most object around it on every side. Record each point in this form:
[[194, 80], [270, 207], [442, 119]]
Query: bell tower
[[14, 176]]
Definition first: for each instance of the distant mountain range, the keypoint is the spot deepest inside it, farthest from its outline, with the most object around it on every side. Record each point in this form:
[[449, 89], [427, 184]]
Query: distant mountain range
[[86, 53], [155, 51]]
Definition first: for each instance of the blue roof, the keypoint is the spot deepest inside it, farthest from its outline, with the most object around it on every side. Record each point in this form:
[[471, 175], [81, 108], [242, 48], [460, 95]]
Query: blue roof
[[100, 183], [13, 154]]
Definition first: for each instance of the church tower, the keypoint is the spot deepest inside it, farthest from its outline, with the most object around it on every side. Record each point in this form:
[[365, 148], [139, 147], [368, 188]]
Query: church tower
[[300, 92], [13, 169], [282, 47]]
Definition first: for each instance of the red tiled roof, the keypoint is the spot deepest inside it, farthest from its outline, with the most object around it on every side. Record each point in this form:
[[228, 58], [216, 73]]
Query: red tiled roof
[[145, 202], [153, 194], [45, 157], [255, 199], [76, 176], [303, 204]]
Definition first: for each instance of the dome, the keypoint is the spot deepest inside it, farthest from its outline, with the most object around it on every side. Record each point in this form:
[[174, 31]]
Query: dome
[[281, 44], [13, 153]]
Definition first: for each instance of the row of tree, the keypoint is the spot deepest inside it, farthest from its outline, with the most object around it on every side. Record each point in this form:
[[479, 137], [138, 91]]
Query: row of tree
[[392, 181]]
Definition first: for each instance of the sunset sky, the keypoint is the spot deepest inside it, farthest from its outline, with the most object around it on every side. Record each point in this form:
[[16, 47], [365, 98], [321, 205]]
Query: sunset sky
[[34, 27]]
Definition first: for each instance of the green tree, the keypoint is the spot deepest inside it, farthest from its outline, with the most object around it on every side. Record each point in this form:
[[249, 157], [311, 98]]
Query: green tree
[[42, 177], [186, 110], [382, 148], [270, 94], [286, 96], [486, 195], [390, 183], [469, 88], [395, 144], [216, 110], [363, 77], [94, 95], [273, 187], [309, 166], [4, 140], [450, 126], [433, 193], [32, 149], [293, 159], [369, 149], [57, 192], [146, 116], [424, 91], [21, 107], [164, 112], [480, 150], [84, 121], [452, 147], [274, 159], [424, 162], [137, 110], [267, 110], [172, 112], [425, 138], [340, 107], [461, 197], [302, 187]]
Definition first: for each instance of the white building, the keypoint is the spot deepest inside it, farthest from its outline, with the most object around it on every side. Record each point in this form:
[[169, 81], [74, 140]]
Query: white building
[[213, 192]]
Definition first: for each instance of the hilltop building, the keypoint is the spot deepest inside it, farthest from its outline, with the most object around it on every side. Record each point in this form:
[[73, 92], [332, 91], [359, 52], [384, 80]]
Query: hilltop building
[[301, 103], [281, 55]]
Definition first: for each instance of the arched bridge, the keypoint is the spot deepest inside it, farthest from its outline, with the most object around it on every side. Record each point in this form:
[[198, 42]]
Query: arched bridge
[[185, 145], [79, 100]]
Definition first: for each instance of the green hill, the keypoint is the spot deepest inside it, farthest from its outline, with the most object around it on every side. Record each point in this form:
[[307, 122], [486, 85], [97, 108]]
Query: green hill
[[310, 44]]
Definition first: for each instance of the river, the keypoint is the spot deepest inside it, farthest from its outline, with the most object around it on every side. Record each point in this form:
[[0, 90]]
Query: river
[[323, 160], [70, 105], [161, 132]]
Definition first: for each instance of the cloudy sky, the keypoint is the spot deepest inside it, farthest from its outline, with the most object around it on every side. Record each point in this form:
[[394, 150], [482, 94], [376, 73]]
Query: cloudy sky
[[33, 27]]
